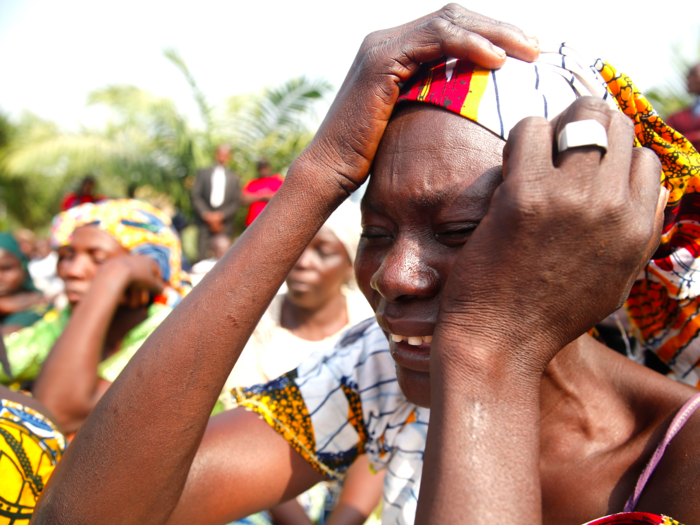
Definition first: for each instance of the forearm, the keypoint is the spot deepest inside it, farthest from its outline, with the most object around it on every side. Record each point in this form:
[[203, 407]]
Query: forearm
[[18, 302], [67, 383], [483, 445], [362, 491], [289, 513], [198, 343]]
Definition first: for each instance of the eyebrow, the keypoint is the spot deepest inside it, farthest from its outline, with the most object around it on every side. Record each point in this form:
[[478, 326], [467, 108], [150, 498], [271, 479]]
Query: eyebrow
[[425, 201]]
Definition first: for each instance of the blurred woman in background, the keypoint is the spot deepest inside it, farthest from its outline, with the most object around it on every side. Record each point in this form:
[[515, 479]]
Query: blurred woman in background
[[120, 261], [321, 302], [20, 301]]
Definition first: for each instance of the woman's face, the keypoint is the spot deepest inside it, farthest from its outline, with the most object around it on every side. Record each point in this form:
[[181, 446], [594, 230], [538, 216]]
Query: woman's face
[[320, 271], [79, 261], [11, 273], [432, 182]]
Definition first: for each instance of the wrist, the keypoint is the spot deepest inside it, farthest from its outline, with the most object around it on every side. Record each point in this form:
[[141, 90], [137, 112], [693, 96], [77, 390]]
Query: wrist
[[113, 275], [482, 353], [321, 185]]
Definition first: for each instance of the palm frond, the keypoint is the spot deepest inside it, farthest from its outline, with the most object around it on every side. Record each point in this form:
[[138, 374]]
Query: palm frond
[[205, 108]]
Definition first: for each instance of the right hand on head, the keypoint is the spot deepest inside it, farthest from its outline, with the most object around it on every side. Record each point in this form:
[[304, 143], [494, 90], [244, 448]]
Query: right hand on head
[[349, 136], [566, 235], [141, 276]]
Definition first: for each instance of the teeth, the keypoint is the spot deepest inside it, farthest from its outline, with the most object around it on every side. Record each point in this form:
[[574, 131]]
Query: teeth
[[413, 340]]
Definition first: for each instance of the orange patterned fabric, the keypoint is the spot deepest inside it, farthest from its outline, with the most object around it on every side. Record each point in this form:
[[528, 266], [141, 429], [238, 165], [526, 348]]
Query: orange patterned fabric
[[280, 404], [663, 305]]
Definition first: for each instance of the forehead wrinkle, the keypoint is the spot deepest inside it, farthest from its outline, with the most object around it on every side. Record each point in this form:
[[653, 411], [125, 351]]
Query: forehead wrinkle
[[426, 160]]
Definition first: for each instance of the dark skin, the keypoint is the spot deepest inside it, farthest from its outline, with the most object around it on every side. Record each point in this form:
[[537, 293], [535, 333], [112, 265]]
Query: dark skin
[[597, 415], [315, 307], [215, 219], [108, 290], [489, 363], [12, 298]]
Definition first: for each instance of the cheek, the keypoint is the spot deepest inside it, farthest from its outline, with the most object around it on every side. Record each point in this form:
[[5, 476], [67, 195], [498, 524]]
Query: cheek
[[17, 277], [333, 270], [367, 263], [12, 278]]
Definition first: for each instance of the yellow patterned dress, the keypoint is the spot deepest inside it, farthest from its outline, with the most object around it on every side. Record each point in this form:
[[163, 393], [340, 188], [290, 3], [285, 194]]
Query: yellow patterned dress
[[30, 448]]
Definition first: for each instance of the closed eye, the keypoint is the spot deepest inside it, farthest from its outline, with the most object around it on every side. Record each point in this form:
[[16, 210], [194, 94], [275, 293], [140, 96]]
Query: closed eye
[[455, 237], [374, 235]]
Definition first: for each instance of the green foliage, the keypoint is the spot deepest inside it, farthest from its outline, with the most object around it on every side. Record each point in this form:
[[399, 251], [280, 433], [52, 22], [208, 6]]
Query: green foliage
[[148, 141], [672, 95], [275, 123]]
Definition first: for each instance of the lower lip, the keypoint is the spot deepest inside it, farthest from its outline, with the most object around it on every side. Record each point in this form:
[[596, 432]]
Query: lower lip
[[299, 286], [415, 358], [73, 297]]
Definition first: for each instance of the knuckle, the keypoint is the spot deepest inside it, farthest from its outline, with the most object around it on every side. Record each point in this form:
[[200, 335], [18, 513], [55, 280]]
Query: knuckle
[[588, 107], [530, 125], [369, 41], [438, 25], [453, 10], [646, 155], [623, 121]]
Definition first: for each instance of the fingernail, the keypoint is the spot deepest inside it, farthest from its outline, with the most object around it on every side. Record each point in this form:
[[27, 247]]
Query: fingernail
[[499, 51], [534, 41]]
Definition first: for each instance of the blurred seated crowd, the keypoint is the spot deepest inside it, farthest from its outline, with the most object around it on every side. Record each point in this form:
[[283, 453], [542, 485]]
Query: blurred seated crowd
[[75, 307]]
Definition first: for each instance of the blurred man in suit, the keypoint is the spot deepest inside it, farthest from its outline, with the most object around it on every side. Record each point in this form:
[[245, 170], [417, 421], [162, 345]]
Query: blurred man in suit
[[216, 196]]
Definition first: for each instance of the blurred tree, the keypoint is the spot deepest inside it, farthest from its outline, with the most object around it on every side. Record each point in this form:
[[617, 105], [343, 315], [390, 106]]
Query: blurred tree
[[672, 95], [27, 199], [147, 140], [275, 123]]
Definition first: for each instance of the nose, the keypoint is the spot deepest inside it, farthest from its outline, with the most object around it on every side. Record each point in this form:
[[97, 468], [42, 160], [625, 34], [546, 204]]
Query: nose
[[76, 267], [405, 274], [306, 260]]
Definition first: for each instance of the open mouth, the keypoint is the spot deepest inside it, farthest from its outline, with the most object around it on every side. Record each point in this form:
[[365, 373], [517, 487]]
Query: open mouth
[[413, 340], [411, 352]]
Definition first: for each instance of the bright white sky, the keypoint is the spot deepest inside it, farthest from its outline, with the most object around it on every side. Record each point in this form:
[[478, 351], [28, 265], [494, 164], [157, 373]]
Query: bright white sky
[[52, 53]]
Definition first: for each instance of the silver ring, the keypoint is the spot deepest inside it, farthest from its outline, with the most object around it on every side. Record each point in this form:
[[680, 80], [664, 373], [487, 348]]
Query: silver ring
[[583, 133]]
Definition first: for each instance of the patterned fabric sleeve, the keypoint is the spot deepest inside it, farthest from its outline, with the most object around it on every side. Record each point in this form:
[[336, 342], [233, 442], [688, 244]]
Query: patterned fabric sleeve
[[338, 404], [30, 448], [28, 348], [663, 305]]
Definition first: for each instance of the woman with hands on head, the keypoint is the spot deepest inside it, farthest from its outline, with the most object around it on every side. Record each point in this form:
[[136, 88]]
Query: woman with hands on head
[[120, 261], [492, 244]]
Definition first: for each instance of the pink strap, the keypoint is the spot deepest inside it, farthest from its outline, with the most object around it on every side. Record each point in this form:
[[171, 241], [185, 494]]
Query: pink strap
[[684, 414]]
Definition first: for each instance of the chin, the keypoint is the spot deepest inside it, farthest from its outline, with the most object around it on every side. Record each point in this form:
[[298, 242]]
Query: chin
[[414, 385]]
